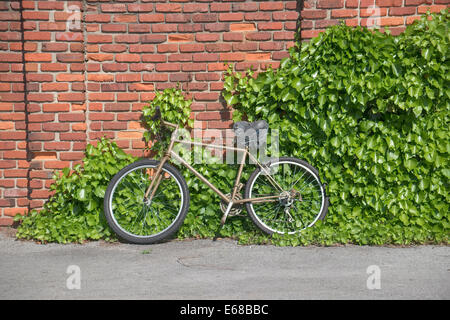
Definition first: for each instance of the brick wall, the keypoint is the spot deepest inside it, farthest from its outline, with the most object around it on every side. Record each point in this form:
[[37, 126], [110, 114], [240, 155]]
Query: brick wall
[[396, 14], [73, 71]]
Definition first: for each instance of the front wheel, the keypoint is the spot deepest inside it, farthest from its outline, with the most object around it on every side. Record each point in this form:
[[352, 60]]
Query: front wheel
[[138, 220], [297, 196]]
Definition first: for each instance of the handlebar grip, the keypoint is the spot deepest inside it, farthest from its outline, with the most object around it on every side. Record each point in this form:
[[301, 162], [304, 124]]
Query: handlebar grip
[[157, 114]]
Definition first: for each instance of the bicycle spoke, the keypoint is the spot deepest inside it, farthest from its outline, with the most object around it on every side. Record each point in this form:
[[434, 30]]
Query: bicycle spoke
[[295, 209], [150, 217]]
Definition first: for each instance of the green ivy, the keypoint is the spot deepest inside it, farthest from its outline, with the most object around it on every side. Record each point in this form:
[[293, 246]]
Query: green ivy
[[174, 108], [371, 112], [75, 212], [203, 218]]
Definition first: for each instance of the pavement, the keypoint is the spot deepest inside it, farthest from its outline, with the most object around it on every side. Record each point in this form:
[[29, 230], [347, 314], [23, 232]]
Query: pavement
[[222, 269]]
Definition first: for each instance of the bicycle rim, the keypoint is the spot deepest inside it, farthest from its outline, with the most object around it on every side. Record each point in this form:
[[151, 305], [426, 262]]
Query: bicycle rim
[[277, 216], [138, 219]]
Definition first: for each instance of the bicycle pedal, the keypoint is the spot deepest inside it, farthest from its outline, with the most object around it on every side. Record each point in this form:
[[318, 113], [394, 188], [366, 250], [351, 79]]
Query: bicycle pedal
[[225, 215]]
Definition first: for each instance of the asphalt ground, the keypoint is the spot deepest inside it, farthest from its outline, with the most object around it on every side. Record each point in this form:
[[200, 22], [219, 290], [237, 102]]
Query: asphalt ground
[[222, 269]]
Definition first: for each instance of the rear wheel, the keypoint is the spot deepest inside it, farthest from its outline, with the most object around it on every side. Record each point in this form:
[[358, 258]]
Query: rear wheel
[[298, 196], [137, 220]]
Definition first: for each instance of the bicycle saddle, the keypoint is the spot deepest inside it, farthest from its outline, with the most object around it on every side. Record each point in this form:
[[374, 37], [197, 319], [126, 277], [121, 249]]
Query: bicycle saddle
[[244, 126], [251, 134]]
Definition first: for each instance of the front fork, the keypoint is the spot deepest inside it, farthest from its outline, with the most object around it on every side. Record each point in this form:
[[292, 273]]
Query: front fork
[[156, 180]]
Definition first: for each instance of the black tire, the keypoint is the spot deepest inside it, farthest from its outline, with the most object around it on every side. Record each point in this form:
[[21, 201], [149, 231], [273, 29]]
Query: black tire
[[319, 215], [176, 223]]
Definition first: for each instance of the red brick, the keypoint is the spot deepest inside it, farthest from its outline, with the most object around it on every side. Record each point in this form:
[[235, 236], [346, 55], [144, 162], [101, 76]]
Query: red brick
[[270, 26], [246, 46], [99, 38], [52, 26], [389, 3], [70, 57], [171, 47], [14, 155], [235, 56], [205, 57], [402, 11], [314, 14], [100, 57], [168, 67], [180, 57], [77, 136], [258, 36], [258, 16], [70, 77], [218, 47], [329, 4], [141, 87], [55, 127], [114, 28], [417, 2], [242, 27], [183, 28], [169, 7], [50, 5], [392, 21], [194, 47], [164, 28], [193, 67], [116, 7], [37, 35], [207, 96], [147, 7], [206, 37], [220, 7], [55, 87], [308, 34], [285, 16], [125, 18], [151, 18], [217, 27], [56, 107], [344, 13], [372, 12], [11, 57], [435, 8], [128, 77], [157, 77], [14, 173], [154, 38], [40, 97], [101, 96], [181, 37], [10, 16], [117, 107], [139, 28], [52, 46], [73, 97], [128, 58], [271, 6], [126, 96], [114, 67], [233, 36], [195, 7], [35, 15], [98, 18]]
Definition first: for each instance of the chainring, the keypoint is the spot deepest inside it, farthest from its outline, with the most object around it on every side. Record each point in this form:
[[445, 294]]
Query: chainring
[[235, 210]]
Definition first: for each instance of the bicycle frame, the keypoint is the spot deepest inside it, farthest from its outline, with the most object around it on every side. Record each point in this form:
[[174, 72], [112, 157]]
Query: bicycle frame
[[156, 179]]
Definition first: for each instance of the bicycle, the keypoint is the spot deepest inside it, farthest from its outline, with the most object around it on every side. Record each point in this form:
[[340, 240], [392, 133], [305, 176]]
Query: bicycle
[[147, 201]]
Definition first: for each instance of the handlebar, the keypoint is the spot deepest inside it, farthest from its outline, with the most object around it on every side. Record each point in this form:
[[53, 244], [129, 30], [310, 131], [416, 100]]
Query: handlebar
[[158, 116]]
